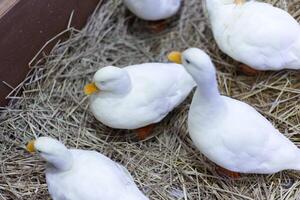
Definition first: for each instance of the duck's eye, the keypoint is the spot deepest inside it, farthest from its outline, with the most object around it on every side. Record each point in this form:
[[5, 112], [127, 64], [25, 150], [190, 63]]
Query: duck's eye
[[187, 61]]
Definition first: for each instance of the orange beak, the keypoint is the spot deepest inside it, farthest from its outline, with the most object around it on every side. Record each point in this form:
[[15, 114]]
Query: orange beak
[[238, 2], [175, 57], [30, 146], [90, 89]]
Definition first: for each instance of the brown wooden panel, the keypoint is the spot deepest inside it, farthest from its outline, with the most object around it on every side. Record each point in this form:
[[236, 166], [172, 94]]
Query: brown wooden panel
[[25, 27], [6, 5]]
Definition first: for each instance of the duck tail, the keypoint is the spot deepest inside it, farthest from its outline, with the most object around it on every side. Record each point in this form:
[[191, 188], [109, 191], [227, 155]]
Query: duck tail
[[293, 58], [296, 165]]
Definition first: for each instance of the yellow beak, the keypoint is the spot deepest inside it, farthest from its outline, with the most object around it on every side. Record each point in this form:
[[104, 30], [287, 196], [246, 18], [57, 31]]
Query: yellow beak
[[175, 56], [239, 2], [30, 146], [90, 89]]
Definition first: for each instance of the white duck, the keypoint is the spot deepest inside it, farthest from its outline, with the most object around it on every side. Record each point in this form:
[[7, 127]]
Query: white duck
[[138, 96], [257, 34], [229, 132], [79, 174], [153, 10]]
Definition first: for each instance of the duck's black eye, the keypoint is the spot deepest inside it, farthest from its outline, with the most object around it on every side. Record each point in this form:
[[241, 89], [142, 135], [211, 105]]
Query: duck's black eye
[[187, 61]]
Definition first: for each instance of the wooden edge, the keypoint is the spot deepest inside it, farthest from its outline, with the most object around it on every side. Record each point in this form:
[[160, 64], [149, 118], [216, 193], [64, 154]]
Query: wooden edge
[[26, 25], [6, 5]]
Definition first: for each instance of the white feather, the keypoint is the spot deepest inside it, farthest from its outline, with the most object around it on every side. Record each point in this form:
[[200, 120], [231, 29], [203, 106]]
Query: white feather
[[232, 133], [155, 90], [153, 10], [257, 34], [91, 176]]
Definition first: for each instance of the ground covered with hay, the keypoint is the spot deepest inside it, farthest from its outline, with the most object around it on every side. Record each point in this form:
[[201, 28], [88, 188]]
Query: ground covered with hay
[[167, 166]]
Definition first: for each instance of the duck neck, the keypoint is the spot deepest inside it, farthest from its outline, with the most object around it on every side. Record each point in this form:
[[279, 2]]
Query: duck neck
[[207, 103], [208, 93], [120, 88], [61, 161]]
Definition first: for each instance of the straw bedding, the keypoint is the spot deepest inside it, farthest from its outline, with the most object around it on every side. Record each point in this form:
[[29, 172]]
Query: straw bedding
[[167, 166]]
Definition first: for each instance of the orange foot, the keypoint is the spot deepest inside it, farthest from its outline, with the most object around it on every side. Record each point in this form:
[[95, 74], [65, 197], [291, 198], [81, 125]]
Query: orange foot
[[227, 173], [248, 70], [143, 133], [238, 1], [157, 26]]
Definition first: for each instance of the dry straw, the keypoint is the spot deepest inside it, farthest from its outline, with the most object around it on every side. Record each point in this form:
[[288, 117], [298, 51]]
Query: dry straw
[[168, 166]]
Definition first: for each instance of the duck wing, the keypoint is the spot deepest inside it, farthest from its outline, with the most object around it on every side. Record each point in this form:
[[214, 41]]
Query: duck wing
[[254, 144]]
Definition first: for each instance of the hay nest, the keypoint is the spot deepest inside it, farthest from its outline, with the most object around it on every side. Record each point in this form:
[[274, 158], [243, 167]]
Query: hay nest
[[168, 166]]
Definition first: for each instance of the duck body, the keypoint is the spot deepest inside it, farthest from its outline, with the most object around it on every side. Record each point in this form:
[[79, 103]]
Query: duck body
[[73, 174], [229, 132], [257, 34], [153, 10], [156, 89], [92, 177], [235, 136]]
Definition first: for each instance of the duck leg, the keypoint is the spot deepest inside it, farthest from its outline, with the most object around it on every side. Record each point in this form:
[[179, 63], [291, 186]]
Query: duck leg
[[248, 70], [145, 132], [157, 26], [227, 173], [238, 2]]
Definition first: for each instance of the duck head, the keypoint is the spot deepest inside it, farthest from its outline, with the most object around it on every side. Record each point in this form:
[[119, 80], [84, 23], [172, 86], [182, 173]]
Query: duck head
[[110, 80], [199, 65], [54, 152], [196, 62]]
